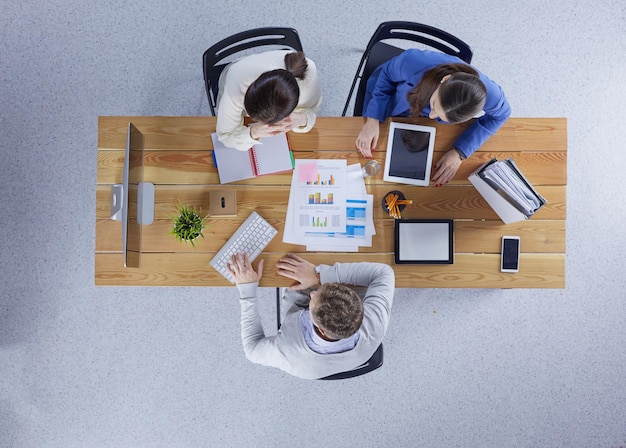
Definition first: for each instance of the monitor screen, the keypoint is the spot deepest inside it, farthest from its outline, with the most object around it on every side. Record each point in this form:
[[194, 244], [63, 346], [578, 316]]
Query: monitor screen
[[132, 178]]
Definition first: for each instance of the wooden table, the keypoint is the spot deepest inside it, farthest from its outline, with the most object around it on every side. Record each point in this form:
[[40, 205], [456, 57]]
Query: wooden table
[[178, 160]]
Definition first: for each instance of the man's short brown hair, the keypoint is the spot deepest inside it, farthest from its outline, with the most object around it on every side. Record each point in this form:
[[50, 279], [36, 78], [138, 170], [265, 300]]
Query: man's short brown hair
[[339, 310]]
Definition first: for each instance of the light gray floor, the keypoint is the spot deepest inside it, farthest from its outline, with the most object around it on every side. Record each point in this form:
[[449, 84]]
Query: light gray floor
[[82, 366]]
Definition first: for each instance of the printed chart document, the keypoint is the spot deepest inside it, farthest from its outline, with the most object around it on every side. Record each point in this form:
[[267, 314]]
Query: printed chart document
[[270, 156], [359, 229], [359, 220], [317, 200], [356, 207]]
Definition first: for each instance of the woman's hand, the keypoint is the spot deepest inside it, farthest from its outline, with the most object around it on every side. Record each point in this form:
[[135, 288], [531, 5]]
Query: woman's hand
[[242, 271], [368, 137], [259, 130], [447, 167], [298, 269], [295, 120]]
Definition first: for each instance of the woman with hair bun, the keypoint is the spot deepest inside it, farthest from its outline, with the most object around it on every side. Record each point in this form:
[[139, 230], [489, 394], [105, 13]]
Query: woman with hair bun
[[279, 90], [436, 85]]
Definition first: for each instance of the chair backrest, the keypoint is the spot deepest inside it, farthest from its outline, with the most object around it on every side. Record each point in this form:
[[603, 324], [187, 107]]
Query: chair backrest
[[375, 361], [258, 37], [377, 52]]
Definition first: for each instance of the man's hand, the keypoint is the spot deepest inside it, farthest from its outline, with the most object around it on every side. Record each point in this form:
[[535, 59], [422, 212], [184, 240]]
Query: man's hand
[[447, 167], [368, 137], [298, 269], [242, 271]]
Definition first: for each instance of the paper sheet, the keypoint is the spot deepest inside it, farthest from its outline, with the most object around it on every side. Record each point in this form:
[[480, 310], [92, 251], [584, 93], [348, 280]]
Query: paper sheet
[[359, 229], [317, 200], [357, 209]]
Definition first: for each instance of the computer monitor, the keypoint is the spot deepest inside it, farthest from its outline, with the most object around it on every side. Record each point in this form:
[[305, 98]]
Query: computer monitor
[[132, 202]]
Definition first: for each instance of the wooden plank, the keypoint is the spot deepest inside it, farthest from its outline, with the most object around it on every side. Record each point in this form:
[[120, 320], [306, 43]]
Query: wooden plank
[[457, 202], [464, 202], [330, 133], [540, 168], [178, 133], [470, 236], [196, 167], [530, 134], [517, 134], [483, 271], [468, 271]]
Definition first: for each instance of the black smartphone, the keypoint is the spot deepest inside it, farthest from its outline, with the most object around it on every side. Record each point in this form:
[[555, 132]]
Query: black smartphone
[[510, 254]]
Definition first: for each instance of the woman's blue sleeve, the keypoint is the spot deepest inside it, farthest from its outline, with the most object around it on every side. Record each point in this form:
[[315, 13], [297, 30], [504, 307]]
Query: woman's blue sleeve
[[382, 85]]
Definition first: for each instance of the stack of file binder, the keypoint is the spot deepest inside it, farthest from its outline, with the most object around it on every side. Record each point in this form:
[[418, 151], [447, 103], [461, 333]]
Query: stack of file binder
[[506, 190]]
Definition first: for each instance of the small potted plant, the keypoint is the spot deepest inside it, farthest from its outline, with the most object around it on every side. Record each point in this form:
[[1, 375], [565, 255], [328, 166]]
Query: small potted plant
[[188, 224]]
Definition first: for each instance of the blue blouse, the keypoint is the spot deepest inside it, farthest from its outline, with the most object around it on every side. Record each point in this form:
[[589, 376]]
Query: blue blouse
[[388, 86]]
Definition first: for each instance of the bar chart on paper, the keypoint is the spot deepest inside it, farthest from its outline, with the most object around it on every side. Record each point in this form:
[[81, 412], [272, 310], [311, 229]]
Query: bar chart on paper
[[317, 180], [321, 198], [315, 222], [313, 219]]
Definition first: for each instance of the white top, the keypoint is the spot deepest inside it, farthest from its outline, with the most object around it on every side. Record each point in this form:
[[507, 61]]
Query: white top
[[234, 83]]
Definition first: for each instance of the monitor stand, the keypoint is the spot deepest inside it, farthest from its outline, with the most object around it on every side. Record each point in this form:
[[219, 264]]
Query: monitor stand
[[145, 202], [117, 200]]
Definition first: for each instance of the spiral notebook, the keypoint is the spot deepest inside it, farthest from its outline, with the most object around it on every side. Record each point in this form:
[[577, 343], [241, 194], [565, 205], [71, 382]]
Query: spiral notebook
[[270, 157]]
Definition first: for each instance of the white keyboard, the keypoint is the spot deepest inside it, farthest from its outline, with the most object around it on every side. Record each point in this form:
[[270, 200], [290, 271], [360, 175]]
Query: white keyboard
[[252, 237]]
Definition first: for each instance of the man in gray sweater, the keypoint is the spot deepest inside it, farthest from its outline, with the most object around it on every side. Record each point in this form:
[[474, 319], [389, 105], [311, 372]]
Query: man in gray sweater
[[341, 328]]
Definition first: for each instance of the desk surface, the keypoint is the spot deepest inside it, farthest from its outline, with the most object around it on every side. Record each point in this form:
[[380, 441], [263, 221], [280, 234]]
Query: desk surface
[[178, 161]]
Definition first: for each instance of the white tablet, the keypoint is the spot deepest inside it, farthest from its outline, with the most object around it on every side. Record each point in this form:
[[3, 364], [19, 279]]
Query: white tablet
[[424, 241], [409, 154]]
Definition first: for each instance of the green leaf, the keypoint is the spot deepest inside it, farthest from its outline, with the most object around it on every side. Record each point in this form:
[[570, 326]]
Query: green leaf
[[188, 225]]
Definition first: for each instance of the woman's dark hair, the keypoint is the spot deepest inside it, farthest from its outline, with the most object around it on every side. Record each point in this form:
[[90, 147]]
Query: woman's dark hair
[[275, 94], [462, 95]]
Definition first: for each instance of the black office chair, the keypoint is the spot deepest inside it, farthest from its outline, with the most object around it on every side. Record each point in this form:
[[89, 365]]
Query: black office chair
[[375, 361], [377, 52], [281, 37]]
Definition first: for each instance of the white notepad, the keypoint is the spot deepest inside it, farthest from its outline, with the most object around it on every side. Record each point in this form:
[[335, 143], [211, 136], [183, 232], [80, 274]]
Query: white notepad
[[271, 156], [424, 241]]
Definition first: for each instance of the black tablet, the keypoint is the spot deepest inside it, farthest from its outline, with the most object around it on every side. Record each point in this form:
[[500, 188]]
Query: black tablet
[[424, 241]]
